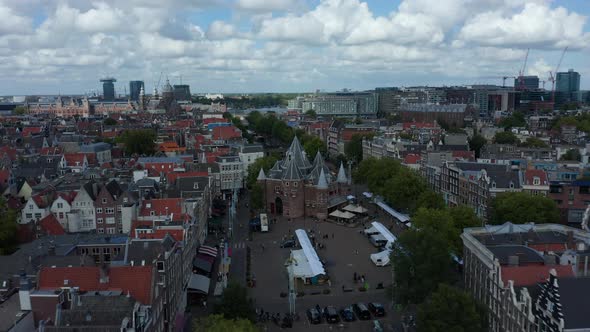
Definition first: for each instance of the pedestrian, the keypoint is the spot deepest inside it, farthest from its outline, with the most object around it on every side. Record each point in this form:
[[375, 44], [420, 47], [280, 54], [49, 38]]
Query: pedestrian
[[329, 283], [332, 235], [343, 288], [262, 247]]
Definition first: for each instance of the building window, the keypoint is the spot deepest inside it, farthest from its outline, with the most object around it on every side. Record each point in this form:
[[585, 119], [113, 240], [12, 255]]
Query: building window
[[152, 213], [100, 231], [536, 181], [98, 210], [60, 205], [125, 199], [294, 184], [110, 220], [37, 215], [287, 183], [110, 210], [29, 215], [99, 220], [111, 230]]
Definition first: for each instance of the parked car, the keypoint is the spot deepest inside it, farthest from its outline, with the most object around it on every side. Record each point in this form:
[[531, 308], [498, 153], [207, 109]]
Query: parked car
[[377, 309], [314, 316], [288, 244], [361, 311], [347, 314], [331, 315]]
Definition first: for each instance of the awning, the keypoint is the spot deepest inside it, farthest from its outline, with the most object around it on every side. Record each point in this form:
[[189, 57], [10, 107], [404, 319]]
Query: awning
[[336, 201], [199, 284], [341, 214], [367, 194], [202, 264], [371, 230], [381, 258], [399, 216], [207, 250], [316, 267], [384, 232], [355, 208], [349, 197]]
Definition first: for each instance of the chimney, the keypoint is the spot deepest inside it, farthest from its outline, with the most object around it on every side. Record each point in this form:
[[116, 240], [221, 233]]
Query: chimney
[[24, 291], [513, 260]]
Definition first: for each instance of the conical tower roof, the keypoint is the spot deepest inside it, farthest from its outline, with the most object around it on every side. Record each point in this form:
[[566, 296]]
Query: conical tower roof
[[341, 175], [261, 175], [322, 183], [292, 171], [297, 154]]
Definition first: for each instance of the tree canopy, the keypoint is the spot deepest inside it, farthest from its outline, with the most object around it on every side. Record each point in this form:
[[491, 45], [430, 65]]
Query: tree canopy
[[421, 260], [533, 142], [19, 110], [451, 309], [235, 303], [505, 137], [582, 122], [312, 144], [139, 141], [353, 149], [269, 126], [265, 163], [217, 323], [516, 119], [311, 113], [520, 208], [257, 196], [8, 228], [109, 122], [476, 142], [572, 154]]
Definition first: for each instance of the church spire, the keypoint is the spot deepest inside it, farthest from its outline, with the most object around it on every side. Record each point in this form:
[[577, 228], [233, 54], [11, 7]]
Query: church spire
[[341, 175], [261, 175]]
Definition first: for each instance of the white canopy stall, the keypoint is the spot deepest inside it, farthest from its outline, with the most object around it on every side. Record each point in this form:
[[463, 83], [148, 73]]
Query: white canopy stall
[[307, 264], [355, 208]]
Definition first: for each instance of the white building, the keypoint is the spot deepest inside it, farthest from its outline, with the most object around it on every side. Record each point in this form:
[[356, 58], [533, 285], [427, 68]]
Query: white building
[[248, 154], [36, 208], [82, 217], [61, 207], [231, 172]]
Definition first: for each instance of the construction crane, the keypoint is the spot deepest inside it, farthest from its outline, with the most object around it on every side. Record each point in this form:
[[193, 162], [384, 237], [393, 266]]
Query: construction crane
[[521, 73], [553, 75]]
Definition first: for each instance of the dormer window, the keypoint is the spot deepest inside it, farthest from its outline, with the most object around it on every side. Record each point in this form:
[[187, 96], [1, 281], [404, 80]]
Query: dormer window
[[493, 184], [287, 183], [196, 185], [536, 181], [152, 213], [511, 185]]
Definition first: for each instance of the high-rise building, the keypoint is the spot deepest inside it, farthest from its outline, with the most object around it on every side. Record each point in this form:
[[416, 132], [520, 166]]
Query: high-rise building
[[568, 81], [108, 88], [134, 89], [182, 92], [526, 83]]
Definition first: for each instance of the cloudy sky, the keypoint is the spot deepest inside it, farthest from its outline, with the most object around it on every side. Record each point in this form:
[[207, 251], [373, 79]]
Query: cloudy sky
[[64, 46]]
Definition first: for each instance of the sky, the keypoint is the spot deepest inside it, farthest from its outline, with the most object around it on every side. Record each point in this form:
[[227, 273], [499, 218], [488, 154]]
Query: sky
[[245, 46]]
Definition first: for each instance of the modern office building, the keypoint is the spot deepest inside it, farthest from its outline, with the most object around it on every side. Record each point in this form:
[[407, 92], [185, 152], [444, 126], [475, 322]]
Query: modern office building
[[134, 89], [526, 82], [108, 88], [349, 104], [182, 92], [568, 81]]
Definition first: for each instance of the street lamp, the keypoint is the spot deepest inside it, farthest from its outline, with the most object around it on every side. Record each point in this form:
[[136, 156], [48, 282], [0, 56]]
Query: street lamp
[[292, 290]]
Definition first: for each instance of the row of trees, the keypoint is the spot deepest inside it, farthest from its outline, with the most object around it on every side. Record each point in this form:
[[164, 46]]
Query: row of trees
[[234, 312]]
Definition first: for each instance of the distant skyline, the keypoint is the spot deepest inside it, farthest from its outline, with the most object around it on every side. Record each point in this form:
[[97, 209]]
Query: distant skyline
[[250, 46]]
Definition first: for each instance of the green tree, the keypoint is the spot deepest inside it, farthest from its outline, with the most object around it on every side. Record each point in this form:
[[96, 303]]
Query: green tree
[[217, 323], [572, 154], [19, 110], [227, 115], [374, 172], [533, 142], [312, 145], [421, 260], [139, 141], [430, 200], [520, 208], [353, 149], [109, 122], [265, 163], [463, 217], [257, 197], [516, 119], [476, 142], [235, 303], [8, 228], [311, 114], [451, 309], [505, 137], [404, 189], [282, 132]]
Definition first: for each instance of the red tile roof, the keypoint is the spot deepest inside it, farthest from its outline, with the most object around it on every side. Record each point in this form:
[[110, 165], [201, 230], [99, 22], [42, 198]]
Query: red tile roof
[[226, 132], [184, 123], [68, 196], [159, 205], [28, 131], [555, 247], [51, 151], [467, 155], [90, 158], [530, 174], [213, 120], [137, 280], [4, 176], [11, 152], [533, 274], [418, 125], [51, 226], [72, 158], [411, 159], [177, 234]]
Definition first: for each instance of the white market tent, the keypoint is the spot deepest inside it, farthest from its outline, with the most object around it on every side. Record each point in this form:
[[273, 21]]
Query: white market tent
[[199, 284], [342, 214], [371, 230], [355, 208], [399, 216], [368, 194], [308, 262], [381, 258], [384, 231]]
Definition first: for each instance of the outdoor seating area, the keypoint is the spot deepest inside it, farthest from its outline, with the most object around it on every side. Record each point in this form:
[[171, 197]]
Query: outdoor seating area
[[349, 214]]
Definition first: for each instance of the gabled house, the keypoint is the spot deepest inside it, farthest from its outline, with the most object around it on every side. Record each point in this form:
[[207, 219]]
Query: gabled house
[[108, 212], [49, 226], [62, 206], [76, 162], [535, 182], [37, 207], [82, 218]]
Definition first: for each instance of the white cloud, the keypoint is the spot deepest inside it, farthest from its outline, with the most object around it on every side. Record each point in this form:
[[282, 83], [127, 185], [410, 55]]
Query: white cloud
[[11, 22], [537, 25], [220, 30], [269, 5]]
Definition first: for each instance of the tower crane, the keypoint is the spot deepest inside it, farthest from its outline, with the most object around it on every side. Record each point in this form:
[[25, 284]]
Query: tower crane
[[522, 71], [553, 75]]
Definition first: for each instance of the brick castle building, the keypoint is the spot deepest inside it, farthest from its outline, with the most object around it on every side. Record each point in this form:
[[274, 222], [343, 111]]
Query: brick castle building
[[295, 188]]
